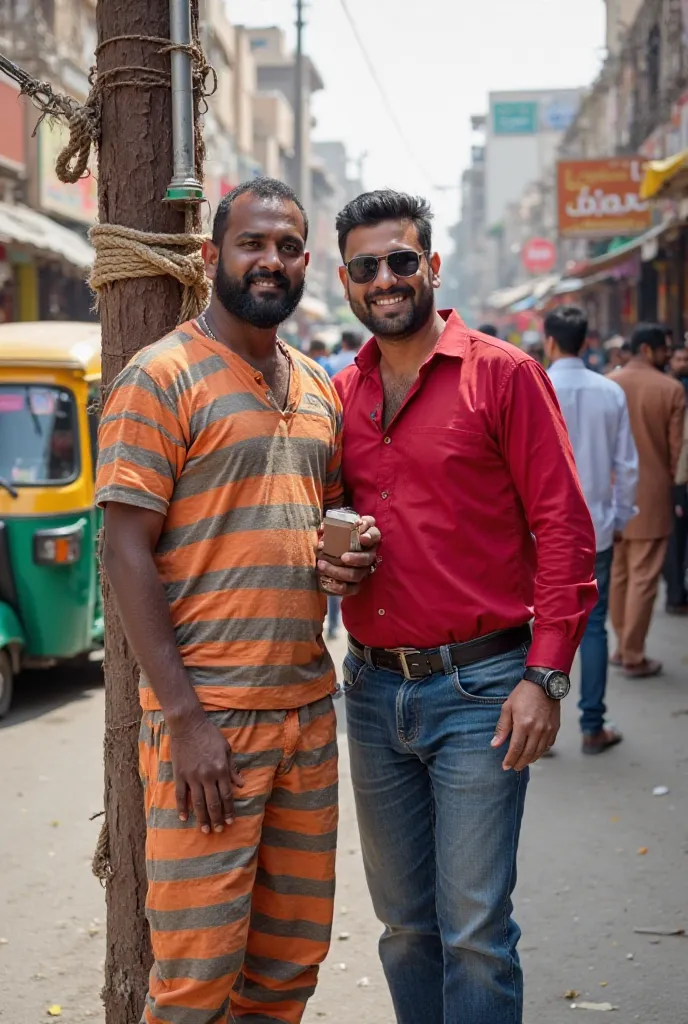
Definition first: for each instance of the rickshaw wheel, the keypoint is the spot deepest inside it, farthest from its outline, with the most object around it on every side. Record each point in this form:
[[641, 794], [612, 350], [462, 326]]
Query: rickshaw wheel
[[6, 683]]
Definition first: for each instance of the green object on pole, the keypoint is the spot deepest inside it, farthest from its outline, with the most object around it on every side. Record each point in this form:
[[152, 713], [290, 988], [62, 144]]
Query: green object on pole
[[190, 193]]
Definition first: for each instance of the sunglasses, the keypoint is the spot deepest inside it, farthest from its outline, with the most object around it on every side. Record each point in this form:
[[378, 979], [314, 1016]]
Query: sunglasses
[[402, 263]]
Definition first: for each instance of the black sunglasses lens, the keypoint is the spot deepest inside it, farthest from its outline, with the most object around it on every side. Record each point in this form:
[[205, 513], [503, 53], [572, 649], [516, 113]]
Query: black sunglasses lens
[[363, 269], [404, 263]]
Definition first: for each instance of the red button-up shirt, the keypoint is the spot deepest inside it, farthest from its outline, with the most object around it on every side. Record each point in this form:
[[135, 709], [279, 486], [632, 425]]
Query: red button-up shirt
[[474, 488]]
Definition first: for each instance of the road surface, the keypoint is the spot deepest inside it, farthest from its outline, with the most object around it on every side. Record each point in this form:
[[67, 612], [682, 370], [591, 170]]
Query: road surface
[[585, 880]]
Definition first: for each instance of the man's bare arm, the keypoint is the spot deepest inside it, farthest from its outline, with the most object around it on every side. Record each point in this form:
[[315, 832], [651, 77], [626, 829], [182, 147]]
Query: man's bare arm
[[201, 757]]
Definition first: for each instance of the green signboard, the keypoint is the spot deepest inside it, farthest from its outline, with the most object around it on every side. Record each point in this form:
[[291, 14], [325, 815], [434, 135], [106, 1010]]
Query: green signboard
[[515, 118]]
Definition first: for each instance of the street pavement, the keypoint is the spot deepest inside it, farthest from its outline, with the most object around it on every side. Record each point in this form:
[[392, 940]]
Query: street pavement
[[600, 857]]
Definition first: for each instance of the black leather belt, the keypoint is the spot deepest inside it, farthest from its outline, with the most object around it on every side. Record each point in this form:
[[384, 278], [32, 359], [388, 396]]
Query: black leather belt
[[413, 664]]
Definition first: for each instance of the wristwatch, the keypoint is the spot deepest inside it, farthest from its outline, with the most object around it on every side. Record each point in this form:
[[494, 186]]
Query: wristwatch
[[555, 684]]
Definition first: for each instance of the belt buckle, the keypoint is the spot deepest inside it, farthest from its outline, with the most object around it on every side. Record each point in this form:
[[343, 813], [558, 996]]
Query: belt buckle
[[403, 654]]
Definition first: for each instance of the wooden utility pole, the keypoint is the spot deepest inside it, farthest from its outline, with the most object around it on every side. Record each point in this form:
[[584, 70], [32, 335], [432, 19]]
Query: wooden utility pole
[[134, 171]]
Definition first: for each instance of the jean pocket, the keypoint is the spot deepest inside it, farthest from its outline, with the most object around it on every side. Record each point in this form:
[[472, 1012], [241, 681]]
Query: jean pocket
[[491, 681], [352, 675]]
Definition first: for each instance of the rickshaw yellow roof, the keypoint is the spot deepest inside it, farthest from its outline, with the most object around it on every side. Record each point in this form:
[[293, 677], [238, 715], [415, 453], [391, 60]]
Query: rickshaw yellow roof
[[54, 343]]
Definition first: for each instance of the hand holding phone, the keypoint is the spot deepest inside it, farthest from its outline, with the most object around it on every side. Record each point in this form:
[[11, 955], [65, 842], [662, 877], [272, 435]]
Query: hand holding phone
[[347, 551]]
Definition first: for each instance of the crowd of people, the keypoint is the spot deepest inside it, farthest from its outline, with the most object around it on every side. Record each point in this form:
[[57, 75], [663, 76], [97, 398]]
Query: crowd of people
[[624, 403], [628, 431]]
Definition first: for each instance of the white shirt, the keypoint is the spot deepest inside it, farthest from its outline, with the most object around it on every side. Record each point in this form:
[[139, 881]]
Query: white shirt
[[596, 415], [341, 360]]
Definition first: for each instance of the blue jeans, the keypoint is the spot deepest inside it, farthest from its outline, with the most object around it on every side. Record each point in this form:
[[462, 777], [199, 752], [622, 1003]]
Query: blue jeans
[[334, 605], [439, 821], [594, 652]]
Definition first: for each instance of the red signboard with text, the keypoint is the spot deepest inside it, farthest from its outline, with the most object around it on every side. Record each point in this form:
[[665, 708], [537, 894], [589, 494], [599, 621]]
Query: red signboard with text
[[600, 198]]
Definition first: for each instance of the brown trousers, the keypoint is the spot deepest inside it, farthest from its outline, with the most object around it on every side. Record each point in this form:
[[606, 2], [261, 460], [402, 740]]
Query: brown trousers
[[636, 570]]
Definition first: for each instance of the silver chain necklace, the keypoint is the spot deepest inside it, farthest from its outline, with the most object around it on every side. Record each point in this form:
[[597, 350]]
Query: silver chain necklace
[[203, 324], [201, 320]]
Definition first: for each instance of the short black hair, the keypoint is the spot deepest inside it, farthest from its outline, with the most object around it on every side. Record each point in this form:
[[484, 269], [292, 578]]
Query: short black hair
[[352, 339], [488, 329], [372, 208], [653, 335], [264, 188], [568, 325]]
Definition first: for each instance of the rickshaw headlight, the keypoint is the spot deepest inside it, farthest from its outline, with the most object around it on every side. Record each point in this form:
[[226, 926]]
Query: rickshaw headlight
[[58, 547]]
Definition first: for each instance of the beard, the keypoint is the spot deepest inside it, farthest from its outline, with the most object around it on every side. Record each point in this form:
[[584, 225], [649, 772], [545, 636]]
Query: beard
[[391, 326], [263, 311]]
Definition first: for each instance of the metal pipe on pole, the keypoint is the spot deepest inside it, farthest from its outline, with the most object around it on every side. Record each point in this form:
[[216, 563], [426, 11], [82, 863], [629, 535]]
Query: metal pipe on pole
[[184, 186], [300, 183]]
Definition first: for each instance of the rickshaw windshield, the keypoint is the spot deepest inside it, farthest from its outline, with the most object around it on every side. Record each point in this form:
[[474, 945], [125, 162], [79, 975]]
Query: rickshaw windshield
[[38, 435]]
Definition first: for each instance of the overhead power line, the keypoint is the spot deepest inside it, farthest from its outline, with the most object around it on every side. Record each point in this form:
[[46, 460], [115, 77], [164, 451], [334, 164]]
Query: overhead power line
[[383, 95]]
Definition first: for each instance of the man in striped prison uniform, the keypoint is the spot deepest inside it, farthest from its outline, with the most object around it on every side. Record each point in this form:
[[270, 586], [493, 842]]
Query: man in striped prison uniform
[[219, 450]]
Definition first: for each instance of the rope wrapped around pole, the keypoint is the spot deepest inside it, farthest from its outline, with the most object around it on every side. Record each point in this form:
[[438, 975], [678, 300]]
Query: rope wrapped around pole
[[123, 253]]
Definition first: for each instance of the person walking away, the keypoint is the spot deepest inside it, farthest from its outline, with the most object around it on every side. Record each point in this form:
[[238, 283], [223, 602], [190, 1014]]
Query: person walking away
[[594, 355], [656, 405], [596, 415], [219, 449], [677, 551], [678, 367], [317, 351], [615, 354], [457, 442], [351, 343]]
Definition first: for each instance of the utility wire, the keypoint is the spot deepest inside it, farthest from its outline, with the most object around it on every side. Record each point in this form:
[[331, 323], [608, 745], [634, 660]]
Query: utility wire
[[385, 99]]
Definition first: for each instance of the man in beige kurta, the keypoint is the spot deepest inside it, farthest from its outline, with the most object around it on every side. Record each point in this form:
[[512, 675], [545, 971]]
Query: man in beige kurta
[[656, 405]]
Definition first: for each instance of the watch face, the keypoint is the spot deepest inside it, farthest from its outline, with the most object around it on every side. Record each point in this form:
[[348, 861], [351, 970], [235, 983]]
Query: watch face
[[558, 685]]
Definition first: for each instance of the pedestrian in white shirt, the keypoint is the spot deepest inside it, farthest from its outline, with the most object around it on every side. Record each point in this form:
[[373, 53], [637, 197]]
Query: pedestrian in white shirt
[[596, 415]]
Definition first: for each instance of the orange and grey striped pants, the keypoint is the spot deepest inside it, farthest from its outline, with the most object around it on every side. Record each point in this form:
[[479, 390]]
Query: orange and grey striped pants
[[241, 920]]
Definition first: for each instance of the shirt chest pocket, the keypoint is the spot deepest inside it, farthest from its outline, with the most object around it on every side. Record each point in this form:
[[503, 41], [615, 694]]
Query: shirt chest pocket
[[441, 451]]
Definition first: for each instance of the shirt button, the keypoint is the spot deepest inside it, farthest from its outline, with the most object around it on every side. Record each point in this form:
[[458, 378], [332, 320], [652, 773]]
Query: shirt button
[[388, 440], [381, 611], [384, 495]]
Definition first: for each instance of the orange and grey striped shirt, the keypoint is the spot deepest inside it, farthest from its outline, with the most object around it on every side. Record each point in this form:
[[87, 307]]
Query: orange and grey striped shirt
[[190, 430]]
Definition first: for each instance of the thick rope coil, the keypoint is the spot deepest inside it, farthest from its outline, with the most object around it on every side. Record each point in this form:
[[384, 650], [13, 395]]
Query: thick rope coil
[[123, 253]]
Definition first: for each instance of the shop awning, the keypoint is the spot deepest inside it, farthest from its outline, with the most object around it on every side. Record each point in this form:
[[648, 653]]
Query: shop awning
[[24, 227], [659, 173], [645, 245], [505, 297], [567, 286], [522, 297], [523, 305]]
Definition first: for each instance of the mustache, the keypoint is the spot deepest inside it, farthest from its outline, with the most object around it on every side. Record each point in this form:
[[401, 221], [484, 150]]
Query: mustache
[[255, 277], [391, 293]]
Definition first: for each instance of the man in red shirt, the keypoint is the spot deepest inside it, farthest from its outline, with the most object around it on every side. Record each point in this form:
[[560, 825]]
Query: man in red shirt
[[455, 442]]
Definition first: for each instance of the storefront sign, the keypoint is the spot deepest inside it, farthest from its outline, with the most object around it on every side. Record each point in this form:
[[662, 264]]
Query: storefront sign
[[78, 202], [600, 198], [539, 256], [515, 118], [12, 120], [559, 114]]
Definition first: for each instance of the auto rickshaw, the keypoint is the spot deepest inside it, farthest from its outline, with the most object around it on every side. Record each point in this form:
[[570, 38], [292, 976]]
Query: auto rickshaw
[[50, 603]]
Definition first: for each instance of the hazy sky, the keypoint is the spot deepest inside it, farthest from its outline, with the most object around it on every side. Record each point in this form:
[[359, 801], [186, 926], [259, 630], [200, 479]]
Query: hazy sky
[[437, 60]]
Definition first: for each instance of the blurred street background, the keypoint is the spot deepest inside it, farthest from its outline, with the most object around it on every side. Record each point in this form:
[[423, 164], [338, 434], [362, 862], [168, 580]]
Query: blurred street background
[[552, 142]]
